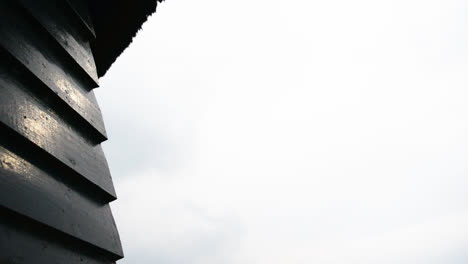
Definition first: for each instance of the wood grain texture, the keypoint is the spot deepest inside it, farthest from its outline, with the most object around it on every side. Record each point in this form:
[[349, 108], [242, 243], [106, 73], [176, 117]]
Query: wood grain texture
[[53, 100], [28, 43], [34, 120], [23, 241], [55, 184], [56, 201], [59, 21]]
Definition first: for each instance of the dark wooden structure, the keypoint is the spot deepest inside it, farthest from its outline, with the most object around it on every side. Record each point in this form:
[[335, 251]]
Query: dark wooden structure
[[55, 184]]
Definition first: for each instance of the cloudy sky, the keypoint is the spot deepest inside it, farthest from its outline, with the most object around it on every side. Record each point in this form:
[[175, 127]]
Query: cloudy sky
[[268, 132]]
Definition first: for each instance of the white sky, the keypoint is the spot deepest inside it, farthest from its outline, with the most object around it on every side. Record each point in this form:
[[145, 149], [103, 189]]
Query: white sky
[[268, 132]]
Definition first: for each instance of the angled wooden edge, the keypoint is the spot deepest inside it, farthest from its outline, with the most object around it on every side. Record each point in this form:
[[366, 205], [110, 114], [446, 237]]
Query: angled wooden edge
[[81, 10], [56, 201], [61, 27], [35, 120], [26, 44], [54, 101], [44, 245], [23, 113], [36, 154]]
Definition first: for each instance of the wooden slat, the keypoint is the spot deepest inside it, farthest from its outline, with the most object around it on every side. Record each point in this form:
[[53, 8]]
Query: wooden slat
[[27, 115], [55, 183], [54, 101], [26, 43], [81, 9], [23, 241], [53, 16], [55, 201]]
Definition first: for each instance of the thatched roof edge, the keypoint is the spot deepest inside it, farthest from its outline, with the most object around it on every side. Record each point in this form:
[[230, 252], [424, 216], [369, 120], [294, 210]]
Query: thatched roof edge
[[116, 22]]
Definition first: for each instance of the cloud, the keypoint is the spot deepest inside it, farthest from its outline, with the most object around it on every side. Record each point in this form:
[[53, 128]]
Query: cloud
[[306, 132], [165, 225]]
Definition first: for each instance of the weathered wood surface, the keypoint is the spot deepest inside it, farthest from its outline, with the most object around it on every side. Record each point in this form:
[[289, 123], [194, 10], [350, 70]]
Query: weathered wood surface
[[30, 44], [53, 200], [23, 241], [61, 107], [57, 18], [55, 183], [30, 117]]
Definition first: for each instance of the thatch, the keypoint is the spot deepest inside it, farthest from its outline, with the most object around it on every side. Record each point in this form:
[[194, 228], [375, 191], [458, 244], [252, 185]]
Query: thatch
[[116, 22]]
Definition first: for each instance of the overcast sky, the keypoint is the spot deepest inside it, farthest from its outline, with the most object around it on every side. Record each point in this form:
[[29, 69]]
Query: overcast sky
[[271, 132]]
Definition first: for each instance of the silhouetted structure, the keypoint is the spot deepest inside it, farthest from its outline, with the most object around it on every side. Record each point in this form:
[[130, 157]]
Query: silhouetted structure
[[55, 184]]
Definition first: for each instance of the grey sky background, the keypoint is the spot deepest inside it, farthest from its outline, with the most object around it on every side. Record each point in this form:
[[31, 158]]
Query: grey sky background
[[292, 132]]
